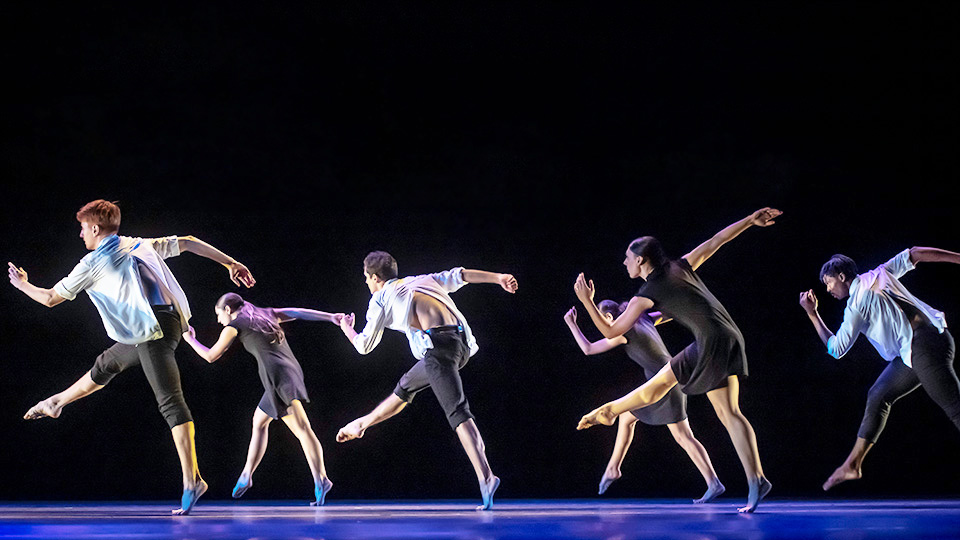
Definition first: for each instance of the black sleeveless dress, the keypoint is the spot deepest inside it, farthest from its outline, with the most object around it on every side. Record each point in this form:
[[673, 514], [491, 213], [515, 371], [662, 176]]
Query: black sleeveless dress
[[645, 347], [718, 350], [279, 370]]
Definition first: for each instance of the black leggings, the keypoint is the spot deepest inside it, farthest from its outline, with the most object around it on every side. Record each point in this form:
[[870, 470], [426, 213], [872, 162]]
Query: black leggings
[[932, 359], [159, 365], [440, 370]]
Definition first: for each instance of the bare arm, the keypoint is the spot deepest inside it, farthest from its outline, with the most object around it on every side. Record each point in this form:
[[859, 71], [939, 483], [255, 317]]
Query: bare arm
[[212, 354], [290, 314], [761, 218], [239, 273], [507, 281], [588, 348], [808, 301], [635, 308], [929, 254], [18, 278]]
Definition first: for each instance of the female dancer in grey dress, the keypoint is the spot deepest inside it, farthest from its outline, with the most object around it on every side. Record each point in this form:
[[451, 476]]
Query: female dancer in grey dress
[[284, 391], [644, 346], [711, 364]]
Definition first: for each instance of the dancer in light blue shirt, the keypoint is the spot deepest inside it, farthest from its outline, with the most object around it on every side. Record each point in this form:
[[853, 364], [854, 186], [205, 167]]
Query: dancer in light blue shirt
[[144, 310], [909, 334]]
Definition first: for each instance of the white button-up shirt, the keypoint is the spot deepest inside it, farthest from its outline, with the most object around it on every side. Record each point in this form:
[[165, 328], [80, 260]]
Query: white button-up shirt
[[872, 311], [392, 307], [110, 276]]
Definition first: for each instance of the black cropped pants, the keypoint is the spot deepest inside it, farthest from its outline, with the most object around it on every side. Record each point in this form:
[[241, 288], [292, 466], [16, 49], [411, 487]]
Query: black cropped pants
[[159, 366], [932, 355], [440, 370]]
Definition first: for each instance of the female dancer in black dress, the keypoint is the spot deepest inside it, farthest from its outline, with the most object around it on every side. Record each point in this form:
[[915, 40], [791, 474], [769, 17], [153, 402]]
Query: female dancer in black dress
[[711, 364], [644, 346], [284, 391]]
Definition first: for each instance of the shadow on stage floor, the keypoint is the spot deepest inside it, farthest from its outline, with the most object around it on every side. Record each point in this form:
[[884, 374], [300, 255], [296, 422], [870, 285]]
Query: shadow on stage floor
[[534, 519]]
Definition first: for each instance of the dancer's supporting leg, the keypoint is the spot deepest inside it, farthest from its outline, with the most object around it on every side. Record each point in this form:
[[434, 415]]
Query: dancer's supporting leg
[[726, 403], [259, 436], [53, 405], [296, 419], [698, 455], [626, 426]]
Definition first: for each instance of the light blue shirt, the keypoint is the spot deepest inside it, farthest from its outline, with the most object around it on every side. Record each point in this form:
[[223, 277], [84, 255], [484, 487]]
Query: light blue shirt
[[872, 311], [110, 276], [392, 307]]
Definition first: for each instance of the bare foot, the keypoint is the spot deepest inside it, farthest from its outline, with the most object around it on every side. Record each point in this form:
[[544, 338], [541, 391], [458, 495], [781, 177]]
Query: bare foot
[[758, 490], [842, 474], [47, 408], [487, 489], [320, 491], [189, 498], [350, 431], [609, 477], [714, 490], [243, 484]]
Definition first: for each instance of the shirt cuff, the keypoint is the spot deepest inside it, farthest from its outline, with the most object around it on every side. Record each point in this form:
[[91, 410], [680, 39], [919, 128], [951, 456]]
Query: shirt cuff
[[60, 289]]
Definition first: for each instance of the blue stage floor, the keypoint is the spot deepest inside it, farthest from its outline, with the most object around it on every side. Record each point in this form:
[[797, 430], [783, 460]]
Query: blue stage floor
[[594, 519]]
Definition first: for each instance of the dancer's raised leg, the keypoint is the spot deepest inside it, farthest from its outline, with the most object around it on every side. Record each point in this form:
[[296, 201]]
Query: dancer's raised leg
[[852, 466], [296, 419], [472, 443], [53, 405], [386, 409], [698, 455], [726, 403], [626, 425], [259, 437]]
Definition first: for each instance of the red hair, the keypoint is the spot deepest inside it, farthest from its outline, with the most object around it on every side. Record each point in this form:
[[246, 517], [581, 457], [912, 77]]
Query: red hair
[[103, 213]]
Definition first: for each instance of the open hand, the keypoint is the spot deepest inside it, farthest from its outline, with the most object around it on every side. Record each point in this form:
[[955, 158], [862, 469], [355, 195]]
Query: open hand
[[508, 282], [240, 275], [584, 289], [764, 217], [600, 415]]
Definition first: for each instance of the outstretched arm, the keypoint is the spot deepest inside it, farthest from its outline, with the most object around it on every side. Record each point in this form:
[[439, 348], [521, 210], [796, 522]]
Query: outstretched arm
[[239, 273], [588, 348], [507, 281], [929, 254], [761, 218], [212, 354], [635, 308], [18, 278], [290, 314]]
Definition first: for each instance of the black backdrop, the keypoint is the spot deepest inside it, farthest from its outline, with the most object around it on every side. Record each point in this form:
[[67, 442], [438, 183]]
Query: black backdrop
[[533, 138]]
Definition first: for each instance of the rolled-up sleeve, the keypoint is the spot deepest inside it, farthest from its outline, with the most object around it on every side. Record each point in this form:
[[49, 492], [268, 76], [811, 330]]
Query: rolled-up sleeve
[[840, 343], [368, 339], [900, 264], [76, 281], [166, 247], [450, 280]]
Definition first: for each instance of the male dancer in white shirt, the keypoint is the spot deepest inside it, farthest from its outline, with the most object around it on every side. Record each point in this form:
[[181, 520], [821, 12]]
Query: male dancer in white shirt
[[440, 339], [908, 333], [144, 310]]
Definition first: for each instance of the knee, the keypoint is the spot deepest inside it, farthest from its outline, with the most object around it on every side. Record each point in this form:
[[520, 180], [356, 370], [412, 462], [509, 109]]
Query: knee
[[877, 401]]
